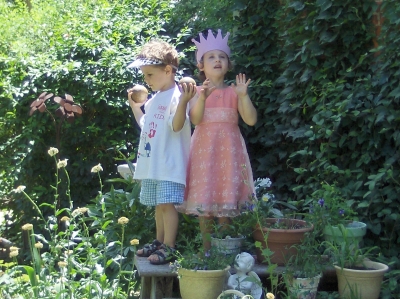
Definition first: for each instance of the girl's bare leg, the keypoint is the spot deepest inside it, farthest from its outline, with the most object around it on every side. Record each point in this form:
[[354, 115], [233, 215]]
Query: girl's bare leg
[[206, 228]]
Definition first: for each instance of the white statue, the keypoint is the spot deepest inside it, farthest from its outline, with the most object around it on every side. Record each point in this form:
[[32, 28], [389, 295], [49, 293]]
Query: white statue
[[245, 280]]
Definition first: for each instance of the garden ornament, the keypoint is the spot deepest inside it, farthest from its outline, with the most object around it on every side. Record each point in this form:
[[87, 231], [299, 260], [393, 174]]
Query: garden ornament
[[245, 280]]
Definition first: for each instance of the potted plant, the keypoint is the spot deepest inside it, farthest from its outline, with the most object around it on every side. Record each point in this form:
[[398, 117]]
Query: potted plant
[[358, 276], [229, 238], [227, 242], [202, 275], [329, 208], [274, 233], [304, 270]]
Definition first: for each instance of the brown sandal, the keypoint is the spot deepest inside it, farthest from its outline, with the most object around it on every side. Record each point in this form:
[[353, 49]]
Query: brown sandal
[[165, 255], [149, 249]]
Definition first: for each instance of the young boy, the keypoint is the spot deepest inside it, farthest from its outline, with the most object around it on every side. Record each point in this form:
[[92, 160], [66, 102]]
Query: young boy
[[164, 145]]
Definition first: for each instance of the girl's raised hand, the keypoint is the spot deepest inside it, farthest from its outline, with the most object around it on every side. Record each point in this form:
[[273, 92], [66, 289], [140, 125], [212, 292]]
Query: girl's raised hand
[[188, 91], [206, 88], [241, 85]]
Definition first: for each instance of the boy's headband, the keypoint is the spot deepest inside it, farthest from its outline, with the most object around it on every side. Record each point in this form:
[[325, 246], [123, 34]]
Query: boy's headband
[[147, 61], [212, 43]]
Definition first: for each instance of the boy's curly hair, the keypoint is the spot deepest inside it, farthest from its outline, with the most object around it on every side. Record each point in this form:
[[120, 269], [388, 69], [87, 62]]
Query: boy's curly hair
[[161, 50]]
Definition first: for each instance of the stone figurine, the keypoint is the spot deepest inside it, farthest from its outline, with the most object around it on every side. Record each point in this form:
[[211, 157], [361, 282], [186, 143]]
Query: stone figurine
[[245, 280]]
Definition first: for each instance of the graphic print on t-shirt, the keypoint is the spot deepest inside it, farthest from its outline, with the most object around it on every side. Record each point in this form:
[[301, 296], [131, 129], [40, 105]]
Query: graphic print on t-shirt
[[150, 132]]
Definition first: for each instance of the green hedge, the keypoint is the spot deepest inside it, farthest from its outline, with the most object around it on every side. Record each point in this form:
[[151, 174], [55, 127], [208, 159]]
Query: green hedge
[[77, 48]]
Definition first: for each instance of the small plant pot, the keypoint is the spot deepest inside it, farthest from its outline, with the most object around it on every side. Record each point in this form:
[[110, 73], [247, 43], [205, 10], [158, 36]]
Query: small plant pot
[[355, 231], [201, 284], [365, 284], [304, 288], [231, 246]]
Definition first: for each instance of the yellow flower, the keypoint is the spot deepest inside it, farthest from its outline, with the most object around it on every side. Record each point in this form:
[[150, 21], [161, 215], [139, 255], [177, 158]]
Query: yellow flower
[[83, 210], [62, 163], [62, 264], [27, 226], [79, 211], [270, 296], [39, 245], [19, 189], [14, 253], [64, 219], [123, 220], [265, 197], [52, 151], [13, 248], [97, 168], [134, 242]]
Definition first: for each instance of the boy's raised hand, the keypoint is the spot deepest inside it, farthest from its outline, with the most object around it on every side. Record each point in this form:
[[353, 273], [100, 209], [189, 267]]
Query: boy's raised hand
[[137, 96], [188, 91], [241, 85]]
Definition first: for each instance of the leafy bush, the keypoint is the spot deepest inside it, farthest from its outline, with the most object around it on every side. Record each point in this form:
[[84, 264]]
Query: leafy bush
[[81, 49]]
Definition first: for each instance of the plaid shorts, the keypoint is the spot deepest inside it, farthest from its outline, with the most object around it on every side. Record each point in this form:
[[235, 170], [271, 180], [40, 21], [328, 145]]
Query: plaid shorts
[[156, 192]]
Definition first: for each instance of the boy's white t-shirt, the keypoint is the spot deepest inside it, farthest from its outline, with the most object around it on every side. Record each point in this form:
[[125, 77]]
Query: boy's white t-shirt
[[163, 154]]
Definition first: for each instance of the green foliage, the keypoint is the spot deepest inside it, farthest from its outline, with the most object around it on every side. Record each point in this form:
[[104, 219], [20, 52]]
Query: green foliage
[[327, 103], [346, 254], [79, 48], [212, 259], [88, 253], [308, 262], [328, 206]]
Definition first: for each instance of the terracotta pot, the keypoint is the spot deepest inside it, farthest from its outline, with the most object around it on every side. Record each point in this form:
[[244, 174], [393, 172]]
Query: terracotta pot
[[201, 284], [365, 284], [280, 241]]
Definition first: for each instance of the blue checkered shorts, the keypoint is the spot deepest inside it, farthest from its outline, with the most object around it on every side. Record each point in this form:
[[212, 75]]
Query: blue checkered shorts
[[155, 192]]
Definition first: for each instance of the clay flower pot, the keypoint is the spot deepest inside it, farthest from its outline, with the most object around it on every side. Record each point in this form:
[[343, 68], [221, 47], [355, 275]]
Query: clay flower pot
[[280, 240]]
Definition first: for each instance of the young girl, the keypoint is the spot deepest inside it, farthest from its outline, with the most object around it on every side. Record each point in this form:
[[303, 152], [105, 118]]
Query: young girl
[[219, 177]]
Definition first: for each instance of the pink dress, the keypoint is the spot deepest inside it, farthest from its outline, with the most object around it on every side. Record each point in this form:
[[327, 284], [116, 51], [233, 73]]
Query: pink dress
[[219, 176]]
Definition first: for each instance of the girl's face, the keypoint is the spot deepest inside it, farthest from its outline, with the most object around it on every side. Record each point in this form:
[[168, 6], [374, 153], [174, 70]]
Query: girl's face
[[215, 63], [157, 78]]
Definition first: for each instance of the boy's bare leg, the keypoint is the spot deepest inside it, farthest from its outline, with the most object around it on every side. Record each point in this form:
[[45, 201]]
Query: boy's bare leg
[[159, 227], [168, 215], [159, 224]]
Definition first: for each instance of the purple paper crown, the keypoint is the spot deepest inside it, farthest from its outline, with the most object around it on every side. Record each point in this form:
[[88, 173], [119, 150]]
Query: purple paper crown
[[212, 43]]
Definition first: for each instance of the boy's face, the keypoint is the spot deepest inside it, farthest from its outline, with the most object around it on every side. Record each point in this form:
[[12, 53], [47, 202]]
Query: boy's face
[[158, 78]]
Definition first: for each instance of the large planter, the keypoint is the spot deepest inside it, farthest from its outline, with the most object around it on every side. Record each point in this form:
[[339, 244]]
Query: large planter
[[362, 284], [201, 284], [231, 246], [280, 241], [355, 231], [304, 288]]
